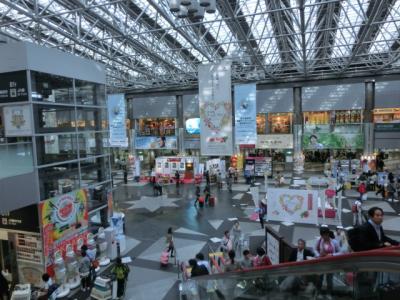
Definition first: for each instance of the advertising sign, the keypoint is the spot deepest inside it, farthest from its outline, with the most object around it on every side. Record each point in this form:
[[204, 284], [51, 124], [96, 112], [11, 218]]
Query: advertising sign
[[116, 120], [297, 206], [245, 114], [156, 142], [63, 218], [13, 87], [325, 140], [275, 141], [273, 249], [23, 219], [215, 101], [17, 120], [192, 126]]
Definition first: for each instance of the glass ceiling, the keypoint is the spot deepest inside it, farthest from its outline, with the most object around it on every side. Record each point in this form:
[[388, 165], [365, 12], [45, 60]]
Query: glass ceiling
[[144, 45]]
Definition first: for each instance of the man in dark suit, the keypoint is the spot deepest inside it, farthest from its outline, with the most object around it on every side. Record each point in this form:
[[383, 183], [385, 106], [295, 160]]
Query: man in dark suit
[[371, 233], [300, 253]]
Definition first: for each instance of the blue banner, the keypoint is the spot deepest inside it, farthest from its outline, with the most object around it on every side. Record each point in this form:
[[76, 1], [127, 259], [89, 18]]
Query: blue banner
[[116, 120], [245, 114]]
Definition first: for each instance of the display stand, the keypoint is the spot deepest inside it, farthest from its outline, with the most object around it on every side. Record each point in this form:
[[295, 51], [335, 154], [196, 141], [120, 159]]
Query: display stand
[[73, 278], [61, 275], [102, 243]]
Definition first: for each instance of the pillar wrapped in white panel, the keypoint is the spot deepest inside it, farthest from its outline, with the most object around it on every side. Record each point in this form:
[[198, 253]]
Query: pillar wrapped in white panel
[[193, 7], [205, 3], [174, 5], [212, 7], [199, 15], [183, 12], [186, 2]]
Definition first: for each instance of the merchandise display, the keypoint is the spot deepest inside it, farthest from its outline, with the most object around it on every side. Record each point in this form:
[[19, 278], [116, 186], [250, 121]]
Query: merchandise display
[[72, 266], [61, 275], [102, 246], [280, 122], [156, 127]]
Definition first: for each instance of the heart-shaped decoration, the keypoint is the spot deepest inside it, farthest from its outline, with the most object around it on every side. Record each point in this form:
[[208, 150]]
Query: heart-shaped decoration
[[291, 203]]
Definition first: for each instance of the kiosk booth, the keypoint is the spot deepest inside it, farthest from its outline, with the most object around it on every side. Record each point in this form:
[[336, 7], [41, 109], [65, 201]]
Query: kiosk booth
[[187, 166]]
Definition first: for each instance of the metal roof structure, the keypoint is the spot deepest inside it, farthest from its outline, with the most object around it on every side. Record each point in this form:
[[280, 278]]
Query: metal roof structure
[[144, 46]]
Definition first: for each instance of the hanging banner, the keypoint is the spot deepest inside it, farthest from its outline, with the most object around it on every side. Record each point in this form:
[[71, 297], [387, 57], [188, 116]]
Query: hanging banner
[[116, 120], [215, 101], [245, 114], [297, 206]]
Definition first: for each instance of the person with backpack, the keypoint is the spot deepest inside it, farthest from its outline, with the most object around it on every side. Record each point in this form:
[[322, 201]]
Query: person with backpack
[[356, 209], [121, 272], [169, 239]]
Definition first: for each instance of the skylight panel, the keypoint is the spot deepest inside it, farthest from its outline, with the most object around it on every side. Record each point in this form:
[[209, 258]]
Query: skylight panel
[[389, 31], [352, 15], [261, 28]]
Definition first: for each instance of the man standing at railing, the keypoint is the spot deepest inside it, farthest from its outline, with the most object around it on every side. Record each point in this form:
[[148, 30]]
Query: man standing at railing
[[371, 233]]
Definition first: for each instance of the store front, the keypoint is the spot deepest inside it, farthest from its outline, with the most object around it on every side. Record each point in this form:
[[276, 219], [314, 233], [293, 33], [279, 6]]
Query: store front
[[331, 136]]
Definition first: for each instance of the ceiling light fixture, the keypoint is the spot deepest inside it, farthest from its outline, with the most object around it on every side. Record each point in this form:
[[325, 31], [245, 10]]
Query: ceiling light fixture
[[192, 8]]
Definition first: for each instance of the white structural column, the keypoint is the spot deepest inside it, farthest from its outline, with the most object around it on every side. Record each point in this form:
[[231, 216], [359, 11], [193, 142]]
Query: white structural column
[[298, 157], [369, 135], [179, 124]]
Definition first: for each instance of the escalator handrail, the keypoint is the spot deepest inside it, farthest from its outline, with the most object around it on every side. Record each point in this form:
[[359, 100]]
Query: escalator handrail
[[389, 258]]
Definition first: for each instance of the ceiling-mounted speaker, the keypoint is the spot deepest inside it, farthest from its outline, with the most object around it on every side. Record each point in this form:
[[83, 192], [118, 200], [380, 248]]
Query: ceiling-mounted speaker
[[186, 2], [212, 7], [183, 12], [193, 7], [199, 15], [204, 3], [174, 5]]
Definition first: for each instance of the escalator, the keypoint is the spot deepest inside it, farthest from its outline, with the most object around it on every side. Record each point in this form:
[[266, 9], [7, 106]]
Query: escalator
[[362, 275]]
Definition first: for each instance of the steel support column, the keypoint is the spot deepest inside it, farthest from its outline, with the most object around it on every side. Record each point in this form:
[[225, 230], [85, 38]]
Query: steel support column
[[369, 134], [298, 157]]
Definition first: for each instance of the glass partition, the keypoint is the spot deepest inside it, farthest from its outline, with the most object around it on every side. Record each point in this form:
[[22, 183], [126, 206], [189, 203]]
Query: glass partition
[[15, 159], [89, 93], [57, 180], [95, 170], [51, 118], [51, 88], [56, 148]]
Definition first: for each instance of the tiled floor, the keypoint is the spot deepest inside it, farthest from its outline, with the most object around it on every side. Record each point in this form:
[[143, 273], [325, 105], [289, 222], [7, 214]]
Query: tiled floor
[[148, 218]]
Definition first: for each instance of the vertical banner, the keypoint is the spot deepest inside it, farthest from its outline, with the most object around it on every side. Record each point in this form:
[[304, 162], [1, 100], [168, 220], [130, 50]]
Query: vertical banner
[[116, 120], [245, 114], [215, 101]]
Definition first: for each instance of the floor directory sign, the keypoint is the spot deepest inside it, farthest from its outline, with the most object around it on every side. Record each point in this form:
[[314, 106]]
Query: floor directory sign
[[215, 101]]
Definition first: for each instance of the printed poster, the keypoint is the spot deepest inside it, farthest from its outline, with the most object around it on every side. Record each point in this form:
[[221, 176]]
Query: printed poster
[[245, 114], [275, 141], [273, 249], [63, 218], [17, 120], [116, 120], [297, 206], [156, 142], [215, 101]]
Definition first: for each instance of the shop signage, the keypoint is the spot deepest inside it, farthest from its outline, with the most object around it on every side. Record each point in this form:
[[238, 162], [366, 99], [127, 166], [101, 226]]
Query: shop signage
[[387, 127], [193, 143], [215, 101], [275, 141], [23, 219], [13, 87], [297, 206], [325, 140], [17, 120], [245, 114], [62, 218], [116, 120], [156, 142]]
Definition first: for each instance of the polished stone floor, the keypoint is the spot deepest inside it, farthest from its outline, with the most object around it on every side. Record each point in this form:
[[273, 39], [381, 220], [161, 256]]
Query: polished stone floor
[[195, 229]]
